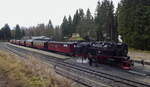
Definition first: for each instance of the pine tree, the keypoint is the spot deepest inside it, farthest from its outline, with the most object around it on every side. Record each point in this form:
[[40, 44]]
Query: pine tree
[[75, 21], [86, 26], [70, 25], [13, 34], [23, 33], [134, 23], [64, 27], [105, 21], [90, 27], [80, 22], [5, 32], [18, 34], [98, 22], [58, 34], [49, 29], [50, 25]]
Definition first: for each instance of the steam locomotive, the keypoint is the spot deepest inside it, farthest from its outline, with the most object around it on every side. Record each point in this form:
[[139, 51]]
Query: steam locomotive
[[96, 52]]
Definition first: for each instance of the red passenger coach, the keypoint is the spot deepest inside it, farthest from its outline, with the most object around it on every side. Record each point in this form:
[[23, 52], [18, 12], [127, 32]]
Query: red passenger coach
[[29, 43], [17, 42], [22, 42], [63, 47], [13, 41], [40, 44]]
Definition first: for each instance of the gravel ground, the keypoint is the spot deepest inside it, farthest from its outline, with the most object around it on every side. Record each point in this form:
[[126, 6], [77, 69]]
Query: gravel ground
[[2, 81], [117, 71]]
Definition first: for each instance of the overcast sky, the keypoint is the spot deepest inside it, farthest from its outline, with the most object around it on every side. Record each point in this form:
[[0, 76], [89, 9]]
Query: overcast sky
[[32, 12]]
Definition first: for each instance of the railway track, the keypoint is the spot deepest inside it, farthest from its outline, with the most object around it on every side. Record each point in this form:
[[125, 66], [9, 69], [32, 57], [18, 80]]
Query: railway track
[[84, 75], [106, 78]]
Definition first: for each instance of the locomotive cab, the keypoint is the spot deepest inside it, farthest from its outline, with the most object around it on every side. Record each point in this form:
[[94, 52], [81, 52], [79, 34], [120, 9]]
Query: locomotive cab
[[82, 49]]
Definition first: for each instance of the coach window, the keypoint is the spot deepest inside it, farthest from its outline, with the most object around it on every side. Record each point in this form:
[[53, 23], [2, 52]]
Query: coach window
[[65, 45]]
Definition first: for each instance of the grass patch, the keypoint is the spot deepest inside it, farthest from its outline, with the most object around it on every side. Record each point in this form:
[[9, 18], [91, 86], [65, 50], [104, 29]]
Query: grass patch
[[137, 50], [29, 72], [139, 54]]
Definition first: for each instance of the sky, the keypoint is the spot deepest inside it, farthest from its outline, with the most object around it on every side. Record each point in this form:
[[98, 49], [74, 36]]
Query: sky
[[32, 12]]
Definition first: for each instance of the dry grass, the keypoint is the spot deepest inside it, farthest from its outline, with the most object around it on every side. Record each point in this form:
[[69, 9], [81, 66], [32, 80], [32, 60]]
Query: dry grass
[[28, 72], [139, 54]]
